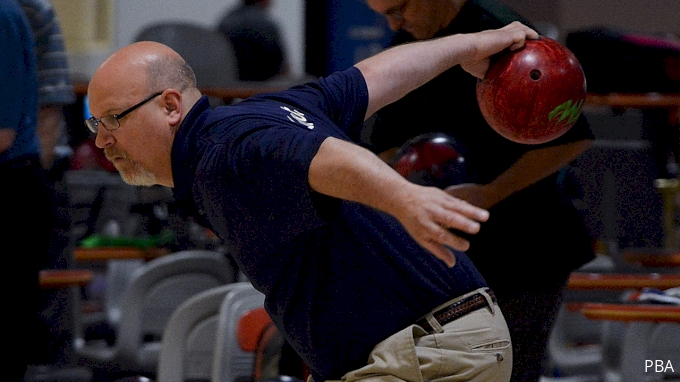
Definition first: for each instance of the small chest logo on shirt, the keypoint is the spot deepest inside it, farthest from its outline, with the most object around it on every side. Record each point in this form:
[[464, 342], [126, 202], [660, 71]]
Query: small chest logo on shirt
[[296, 116]]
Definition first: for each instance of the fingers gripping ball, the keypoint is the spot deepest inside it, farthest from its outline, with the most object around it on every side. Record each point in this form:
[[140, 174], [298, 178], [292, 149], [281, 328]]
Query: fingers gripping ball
[[433, 159], [535, 94]]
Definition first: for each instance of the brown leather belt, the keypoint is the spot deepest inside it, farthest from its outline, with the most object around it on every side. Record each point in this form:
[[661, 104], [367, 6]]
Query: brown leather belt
[[457, 310]]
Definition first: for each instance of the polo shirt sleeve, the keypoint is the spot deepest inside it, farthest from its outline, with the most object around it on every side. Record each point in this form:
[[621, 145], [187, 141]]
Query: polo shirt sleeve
[[342, 97], [347, 96]]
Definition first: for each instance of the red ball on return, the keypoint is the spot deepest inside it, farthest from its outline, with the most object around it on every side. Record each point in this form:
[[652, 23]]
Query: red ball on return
[[534, 94], [432, 159], [87, 156]]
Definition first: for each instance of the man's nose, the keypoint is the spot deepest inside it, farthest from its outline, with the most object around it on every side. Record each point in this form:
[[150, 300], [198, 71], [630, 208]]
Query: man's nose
[[104, 138]]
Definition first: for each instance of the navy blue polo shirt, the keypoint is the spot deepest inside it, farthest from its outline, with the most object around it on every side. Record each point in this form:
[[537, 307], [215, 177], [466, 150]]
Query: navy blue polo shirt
[[339, 276]]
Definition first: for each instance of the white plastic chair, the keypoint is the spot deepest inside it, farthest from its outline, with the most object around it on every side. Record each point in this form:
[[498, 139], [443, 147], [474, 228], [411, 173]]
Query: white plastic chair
[[575, 344], [650, 342], [188, 345], [154, 292], [230, 362]]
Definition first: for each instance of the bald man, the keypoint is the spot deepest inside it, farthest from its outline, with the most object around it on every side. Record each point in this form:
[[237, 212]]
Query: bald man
[[361, 273]]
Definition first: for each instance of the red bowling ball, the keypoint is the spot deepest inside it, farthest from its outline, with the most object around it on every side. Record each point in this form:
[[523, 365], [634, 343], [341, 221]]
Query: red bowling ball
[[87, 156], [534, 94], [433, 159]]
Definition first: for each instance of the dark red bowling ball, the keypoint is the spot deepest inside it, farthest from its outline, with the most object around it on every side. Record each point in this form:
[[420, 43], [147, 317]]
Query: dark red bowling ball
[[534, 94], [433, 159], [87, 156]]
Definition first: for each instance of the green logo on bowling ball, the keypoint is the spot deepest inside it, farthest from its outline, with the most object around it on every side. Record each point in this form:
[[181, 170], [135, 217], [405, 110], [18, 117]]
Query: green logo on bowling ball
[[569, 111]]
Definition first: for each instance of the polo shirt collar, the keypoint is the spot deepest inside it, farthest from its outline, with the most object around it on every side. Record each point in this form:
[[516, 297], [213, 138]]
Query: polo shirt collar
[[185, 148]]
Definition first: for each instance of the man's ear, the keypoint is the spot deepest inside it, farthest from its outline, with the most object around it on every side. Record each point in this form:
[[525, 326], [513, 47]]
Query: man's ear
[[172, 104]]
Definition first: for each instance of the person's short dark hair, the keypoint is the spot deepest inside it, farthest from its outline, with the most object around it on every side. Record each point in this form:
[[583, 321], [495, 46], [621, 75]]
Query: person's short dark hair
[[256, 41]]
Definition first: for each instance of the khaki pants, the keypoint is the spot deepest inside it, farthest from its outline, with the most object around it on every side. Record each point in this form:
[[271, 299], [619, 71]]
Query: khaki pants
[[475, 347]]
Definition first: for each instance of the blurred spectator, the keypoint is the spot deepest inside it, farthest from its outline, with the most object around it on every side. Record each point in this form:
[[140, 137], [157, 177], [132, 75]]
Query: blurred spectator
[[256, 40], [51, 332], [27, 198], [55, 87]]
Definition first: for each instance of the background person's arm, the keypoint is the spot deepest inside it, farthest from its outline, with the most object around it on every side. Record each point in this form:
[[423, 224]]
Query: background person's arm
[[533, 166], [50, 128]]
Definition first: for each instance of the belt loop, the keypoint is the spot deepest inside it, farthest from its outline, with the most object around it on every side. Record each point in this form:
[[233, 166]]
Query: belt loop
[[492, 307], [436, 326]]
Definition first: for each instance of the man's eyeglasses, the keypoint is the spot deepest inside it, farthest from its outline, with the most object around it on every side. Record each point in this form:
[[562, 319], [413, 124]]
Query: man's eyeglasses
[[112, 122]]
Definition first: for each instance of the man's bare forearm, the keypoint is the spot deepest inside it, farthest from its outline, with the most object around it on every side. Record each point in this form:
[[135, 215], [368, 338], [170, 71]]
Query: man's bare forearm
[[395, 72], [348, 171]]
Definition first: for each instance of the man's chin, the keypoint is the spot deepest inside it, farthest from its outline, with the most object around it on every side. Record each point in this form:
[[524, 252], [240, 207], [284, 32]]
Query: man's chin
[[137, 178], [421, 33]]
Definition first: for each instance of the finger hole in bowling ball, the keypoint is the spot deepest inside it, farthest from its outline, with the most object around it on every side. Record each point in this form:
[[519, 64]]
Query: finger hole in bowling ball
[[535, 74]]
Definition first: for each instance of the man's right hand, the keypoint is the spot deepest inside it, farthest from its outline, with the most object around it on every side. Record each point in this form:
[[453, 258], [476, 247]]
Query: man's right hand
[[489, 42]]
